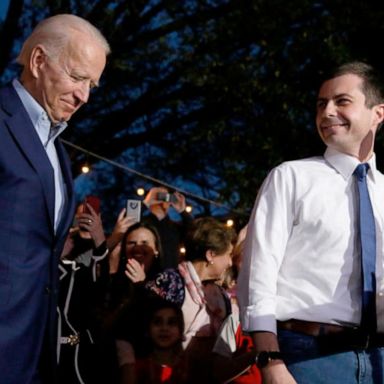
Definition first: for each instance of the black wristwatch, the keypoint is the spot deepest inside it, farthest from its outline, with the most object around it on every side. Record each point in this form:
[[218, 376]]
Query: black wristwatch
[[263, 358]]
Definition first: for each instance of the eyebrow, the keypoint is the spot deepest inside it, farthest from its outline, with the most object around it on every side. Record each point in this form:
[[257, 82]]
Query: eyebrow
[[82, 77], [334, 97]]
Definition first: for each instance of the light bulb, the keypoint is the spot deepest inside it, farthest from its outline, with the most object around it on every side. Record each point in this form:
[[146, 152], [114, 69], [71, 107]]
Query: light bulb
[[140, 191], [85, 168]]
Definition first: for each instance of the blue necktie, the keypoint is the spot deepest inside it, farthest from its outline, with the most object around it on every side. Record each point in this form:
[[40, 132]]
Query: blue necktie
[[368, 251]]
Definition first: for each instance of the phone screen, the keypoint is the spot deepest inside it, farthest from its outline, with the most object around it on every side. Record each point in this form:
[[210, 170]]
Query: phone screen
[[163, 196], [94, 202], [134, 209]]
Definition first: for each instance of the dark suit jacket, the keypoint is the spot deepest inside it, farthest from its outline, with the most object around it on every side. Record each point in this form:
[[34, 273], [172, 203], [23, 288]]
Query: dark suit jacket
[[29, 248]]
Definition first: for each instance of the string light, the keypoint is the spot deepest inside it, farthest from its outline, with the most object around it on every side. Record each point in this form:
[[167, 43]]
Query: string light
[[182, 250], [188, 209], [140, 191], [85, 168], [230, 223], [152, 179]]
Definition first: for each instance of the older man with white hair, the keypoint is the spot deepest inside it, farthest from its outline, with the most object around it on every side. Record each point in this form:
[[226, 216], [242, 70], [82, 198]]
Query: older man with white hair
[[62, 61]]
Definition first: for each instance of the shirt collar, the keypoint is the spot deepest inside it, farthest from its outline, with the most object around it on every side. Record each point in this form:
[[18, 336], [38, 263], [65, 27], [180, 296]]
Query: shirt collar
[[37, 114], [346, 164]]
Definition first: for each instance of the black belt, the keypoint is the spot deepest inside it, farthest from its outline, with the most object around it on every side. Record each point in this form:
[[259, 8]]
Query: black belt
[[332, 337]]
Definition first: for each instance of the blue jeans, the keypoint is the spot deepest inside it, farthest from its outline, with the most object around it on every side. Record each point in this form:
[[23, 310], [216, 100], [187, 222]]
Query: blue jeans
[[308, 365]]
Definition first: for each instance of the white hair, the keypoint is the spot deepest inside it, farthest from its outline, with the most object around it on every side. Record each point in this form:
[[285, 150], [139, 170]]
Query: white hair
[[55, 32]]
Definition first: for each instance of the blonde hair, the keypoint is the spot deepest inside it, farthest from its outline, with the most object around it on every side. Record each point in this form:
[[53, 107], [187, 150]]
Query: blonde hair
[[55, 32]]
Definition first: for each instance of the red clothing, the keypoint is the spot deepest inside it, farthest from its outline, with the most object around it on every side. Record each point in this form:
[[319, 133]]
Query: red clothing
[[149, 371], [231, 342], [252, 375]]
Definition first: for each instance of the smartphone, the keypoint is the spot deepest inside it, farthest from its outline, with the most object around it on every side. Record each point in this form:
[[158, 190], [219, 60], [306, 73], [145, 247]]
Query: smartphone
[[93, 201], [166, 196], [134, 209]]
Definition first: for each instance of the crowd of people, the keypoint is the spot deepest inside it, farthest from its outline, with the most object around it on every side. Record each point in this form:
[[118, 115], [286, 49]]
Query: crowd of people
[[127, 317], [295, 297]]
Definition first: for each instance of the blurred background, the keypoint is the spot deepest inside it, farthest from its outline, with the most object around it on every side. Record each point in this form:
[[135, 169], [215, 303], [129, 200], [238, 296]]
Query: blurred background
[[202, 96]]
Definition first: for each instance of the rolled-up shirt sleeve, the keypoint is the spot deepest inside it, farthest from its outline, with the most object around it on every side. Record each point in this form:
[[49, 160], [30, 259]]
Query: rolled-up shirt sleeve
[[268, 232]]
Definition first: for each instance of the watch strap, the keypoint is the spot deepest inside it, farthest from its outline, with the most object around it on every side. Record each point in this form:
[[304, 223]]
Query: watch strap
[[263, 358]]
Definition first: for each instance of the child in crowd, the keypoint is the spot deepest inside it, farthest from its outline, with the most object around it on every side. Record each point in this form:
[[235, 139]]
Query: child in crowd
[[205, 305], [160, 358]]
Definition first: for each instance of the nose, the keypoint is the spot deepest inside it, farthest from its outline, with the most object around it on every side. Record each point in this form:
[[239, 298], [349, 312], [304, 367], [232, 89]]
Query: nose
[[82, 92], [330, 109], [230, 262]]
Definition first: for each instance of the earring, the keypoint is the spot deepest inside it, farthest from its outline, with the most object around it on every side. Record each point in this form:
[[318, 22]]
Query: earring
[[211, 262]]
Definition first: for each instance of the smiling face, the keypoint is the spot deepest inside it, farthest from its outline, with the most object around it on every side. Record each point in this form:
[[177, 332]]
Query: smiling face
[[141, 245], [62, 85], [343, 120]]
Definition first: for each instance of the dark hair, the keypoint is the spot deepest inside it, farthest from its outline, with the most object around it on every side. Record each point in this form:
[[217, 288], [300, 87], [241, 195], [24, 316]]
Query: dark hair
[[156, 304], [372, 81], [206, 234], [142, 343], [157, 262]]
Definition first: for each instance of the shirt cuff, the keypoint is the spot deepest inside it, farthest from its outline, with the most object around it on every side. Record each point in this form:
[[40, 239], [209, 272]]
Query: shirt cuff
[[261, 323]]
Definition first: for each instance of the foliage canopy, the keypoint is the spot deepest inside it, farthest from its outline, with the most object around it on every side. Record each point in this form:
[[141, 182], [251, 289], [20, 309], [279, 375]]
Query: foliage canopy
[[207, 95]]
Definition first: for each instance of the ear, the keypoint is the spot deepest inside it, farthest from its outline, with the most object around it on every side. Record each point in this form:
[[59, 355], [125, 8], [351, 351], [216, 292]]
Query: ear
[[37, 59], [379, 113], [209, 255]]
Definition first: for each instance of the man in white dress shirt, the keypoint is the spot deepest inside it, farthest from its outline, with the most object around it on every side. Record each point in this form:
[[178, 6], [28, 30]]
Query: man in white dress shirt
[[300, 283]]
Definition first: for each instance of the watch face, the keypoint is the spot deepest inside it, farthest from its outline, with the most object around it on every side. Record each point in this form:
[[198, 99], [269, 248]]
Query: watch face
[[263, 359]]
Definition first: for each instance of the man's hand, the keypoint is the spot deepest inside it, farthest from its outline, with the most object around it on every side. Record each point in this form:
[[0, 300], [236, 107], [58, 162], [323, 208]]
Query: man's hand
[[151, 197], [277, 373], [179, 203], [159, 208]]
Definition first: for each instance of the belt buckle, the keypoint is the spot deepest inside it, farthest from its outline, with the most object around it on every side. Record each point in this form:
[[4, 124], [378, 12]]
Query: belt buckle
[[73, 340]]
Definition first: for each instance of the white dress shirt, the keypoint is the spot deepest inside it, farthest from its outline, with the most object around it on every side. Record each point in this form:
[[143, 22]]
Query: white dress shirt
[[301, 255]]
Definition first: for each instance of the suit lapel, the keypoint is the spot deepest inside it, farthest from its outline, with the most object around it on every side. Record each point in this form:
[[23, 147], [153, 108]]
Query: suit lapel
[[21, 128], [69, 208]]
